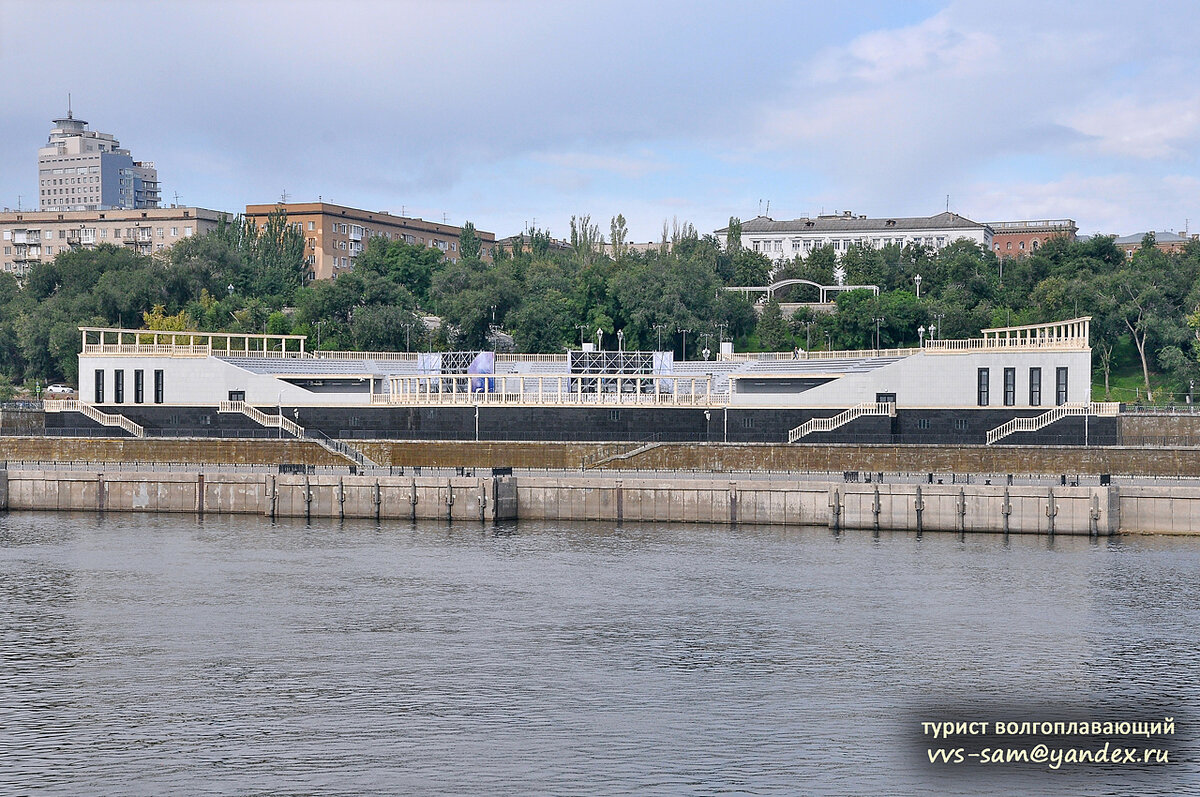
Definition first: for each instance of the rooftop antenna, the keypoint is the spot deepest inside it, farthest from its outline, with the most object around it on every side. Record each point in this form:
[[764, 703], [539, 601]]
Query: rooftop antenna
[[443, 218], [760, 207], [947, 203], [768, 213], [69, 105], [283, 198]]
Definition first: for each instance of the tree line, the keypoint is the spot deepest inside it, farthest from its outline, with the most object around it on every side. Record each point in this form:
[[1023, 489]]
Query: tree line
[[540, 297]]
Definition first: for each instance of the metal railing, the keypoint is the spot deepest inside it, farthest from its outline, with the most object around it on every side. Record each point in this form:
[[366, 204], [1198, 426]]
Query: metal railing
[[262, 418]]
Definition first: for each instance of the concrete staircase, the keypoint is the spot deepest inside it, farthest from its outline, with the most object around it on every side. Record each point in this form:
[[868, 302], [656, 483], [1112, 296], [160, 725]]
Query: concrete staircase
[[296, 430], [1098, 408], [102, 418], [829, 424]]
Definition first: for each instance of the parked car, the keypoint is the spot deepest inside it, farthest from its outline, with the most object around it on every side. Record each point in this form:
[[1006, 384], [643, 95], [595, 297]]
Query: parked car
[[54, 390]]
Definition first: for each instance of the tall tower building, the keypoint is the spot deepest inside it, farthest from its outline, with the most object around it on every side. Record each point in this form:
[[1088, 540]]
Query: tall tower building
[[80, 169]]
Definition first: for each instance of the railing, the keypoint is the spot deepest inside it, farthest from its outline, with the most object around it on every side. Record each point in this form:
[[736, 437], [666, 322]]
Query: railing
[[836, 354], [1099, 408], [554, 389], [102, 418], [980, 344], [262, 418], [338, 447], [147, 349], [829, 424]]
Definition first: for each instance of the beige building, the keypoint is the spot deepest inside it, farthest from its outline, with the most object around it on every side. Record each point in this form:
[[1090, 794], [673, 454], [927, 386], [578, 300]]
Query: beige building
[[30, 237], [334, 235]]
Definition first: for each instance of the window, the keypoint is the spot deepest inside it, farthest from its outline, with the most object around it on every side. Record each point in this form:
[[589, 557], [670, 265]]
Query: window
[[119, 386], [187, 232], [1010, 386], [1021, 245], [312, 225], [99, 386], [747, 422], [159, 232], [1060, 386], [614, 415], [174, 232], [982, 383], [237, 395], [139, 386], [922, 423], [158, 387], [1035, 387], [1007, 245], [960, 424]]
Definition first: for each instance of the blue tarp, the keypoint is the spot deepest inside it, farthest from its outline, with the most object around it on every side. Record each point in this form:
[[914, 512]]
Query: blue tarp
[[484, 363]]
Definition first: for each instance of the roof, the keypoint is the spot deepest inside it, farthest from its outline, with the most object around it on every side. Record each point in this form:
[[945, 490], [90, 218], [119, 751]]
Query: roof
[[851, 223], [1159, 238]]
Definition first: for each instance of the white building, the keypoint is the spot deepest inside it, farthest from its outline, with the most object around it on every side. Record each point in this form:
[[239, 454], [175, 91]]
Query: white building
[[783, 240], [81, 169]]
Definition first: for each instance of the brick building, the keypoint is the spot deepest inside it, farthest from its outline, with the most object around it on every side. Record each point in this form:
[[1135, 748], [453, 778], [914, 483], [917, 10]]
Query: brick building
[[1019, 238], [334, 234]]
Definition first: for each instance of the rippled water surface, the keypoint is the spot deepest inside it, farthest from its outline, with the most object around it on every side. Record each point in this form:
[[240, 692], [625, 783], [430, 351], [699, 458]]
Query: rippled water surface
[[165, 654]]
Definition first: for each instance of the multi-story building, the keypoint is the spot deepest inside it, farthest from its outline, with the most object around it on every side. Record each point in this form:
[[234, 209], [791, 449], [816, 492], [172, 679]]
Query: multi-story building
[[781, 240], [1163, 241], [30, 237], [334, 235], [1017, 238], [81, 169]]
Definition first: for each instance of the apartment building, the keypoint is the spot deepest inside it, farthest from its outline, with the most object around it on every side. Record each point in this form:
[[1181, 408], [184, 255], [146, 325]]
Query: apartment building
[[1164, 241], [1017, 238], [782, 240], [30, 237], [334, 234], [81, 169]]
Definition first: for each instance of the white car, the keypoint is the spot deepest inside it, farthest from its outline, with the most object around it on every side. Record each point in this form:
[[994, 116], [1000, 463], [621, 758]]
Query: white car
[[59, 390]]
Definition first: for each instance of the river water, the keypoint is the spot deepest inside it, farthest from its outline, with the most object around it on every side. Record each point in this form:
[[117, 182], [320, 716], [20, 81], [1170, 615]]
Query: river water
[[166, 654]]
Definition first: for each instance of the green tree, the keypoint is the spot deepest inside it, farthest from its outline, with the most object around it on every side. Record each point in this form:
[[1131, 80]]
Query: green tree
[[772, 331]]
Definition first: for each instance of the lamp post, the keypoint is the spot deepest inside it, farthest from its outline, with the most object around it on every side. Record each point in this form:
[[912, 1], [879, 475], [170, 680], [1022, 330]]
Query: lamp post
[[878, 320], [707, 338], [917, 279], [407, 328], [581, 328], [921, 334], [937, 317], [828, 341], [808, 335], [229, 289], [279, 402], [684, 332], [658, 330], [620, 340], [599, 339]]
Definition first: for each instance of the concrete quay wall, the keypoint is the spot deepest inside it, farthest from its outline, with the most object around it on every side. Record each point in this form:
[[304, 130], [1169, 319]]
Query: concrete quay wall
[[456, 498], [1085, 510]]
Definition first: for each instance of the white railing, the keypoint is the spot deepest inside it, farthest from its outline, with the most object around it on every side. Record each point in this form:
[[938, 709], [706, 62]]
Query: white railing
[[102, 418], [836, 354], [276, 421], [984, 344], [1098, 408], [829, 424], [147, 349], [552, 389]]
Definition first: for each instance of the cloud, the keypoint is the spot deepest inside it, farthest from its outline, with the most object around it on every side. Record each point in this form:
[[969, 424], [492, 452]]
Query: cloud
[[1143, 128]]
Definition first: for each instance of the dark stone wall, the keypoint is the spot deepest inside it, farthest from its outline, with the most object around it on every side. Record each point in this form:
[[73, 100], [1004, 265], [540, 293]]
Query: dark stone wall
[[582, 424]]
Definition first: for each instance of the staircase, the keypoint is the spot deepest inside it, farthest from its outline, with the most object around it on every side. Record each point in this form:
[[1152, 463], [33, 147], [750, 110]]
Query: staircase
[[102, 418], [653, 442], [829, 424], [1098, 408], [296, 430]]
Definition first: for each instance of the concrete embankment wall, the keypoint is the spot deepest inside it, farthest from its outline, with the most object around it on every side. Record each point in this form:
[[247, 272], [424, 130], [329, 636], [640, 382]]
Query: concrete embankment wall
[[456, 498], [947, 507]]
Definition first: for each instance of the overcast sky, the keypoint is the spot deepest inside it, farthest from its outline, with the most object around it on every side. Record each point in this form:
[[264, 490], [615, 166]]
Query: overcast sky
[[510, 114]]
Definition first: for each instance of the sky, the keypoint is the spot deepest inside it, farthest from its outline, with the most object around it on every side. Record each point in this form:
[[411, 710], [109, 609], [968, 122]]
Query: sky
[[518, 114]]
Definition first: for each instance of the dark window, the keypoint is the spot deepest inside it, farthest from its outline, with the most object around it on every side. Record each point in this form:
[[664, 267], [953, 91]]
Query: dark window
[[885, 398], [614, 415], [983, 383], [99, 386], [1010, 386], [139, 386], [237, 395], [1035, 387], [1060, 386], [747, 422], [206, 420], [158, 387], [922, 423], [960, 424], [119, 386], [174, 420]]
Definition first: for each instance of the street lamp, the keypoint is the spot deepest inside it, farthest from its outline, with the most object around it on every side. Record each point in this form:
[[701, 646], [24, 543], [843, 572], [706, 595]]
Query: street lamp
[[581, 328], [599, 339], [620, 340], [229, 289], [684, 332], [938, 317], [921, 334], [917, 279], [878, 320], [808, 335], [658, 329], [279, 402], [828, 341], [407, 328]]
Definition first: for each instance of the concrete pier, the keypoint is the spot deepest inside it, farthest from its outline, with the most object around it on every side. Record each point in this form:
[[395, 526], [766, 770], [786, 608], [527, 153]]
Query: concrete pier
[[1077, 510]]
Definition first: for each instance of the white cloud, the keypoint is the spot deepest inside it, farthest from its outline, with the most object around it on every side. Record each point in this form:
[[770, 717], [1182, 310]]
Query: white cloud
[[1141, 128]]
